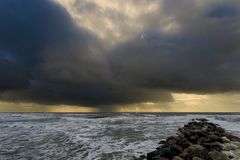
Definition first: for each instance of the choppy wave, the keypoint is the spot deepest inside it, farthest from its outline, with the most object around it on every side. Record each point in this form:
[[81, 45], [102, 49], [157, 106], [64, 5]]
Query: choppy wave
[[101, 136]]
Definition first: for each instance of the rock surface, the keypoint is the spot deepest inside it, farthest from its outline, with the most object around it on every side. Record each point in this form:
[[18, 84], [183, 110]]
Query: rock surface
[[198, 140]]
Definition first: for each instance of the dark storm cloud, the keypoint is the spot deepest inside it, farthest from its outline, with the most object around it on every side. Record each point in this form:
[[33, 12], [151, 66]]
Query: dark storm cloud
[[46, 58], [10, 79], [29, 26], [26, 28], [202, 58]]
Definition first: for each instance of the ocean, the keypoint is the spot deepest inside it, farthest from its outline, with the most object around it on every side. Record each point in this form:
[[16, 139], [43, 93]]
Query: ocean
[[93, 136]]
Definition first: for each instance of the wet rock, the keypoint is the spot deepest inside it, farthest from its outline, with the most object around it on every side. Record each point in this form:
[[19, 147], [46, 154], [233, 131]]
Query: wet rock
[[156, 157], [196, 151], [152, 155], [161, 158], [237, 153], [194, 139], [177, 158], [162, 141], [161, 152], [225, 140], [212, 146], [230, 154], [186, 144], [198, 140], [214, 138], [196, 158], [171, 140], [204, 140], [202, 119], [166, 150], [176, 148], [142, 157], [232, 137], [215, 155], [229, 146], [199, 132], [220, 129]]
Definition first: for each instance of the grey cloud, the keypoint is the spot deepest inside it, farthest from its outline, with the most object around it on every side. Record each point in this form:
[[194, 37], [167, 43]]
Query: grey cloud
[[202, 58], [46, 58], [224, 11]]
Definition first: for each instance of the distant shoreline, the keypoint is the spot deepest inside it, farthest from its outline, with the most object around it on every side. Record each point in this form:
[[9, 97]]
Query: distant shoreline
[[162, 113]]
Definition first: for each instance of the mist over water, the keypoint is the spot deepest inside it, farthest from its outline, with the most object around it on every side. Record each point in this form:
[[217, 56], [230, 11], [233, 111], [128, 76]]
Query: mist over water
[[93, 136]]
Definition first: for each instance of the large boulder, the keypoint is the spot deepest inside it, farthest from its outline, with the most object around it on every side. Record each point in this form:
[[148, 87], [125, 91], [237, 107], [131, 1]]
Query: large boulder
[[195, 151]]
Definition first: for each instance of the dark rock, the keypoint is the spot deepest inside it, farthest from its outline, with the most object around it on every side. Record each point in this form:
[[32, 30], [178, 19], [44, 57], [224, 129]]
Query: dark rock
[[204, 140], [194, 139], [225, 140], [220, 130], [161, 158], [142, 157], [198, 140], [199, 132], [197, 158], [162, 142], [176, 149], [186, 144], [214, 138], [177, 158], [212, 146], [156, 155], [202, 119], [171, 140], [152, 155], [161, 152], [196, 151], [166, 150], [232, 137]]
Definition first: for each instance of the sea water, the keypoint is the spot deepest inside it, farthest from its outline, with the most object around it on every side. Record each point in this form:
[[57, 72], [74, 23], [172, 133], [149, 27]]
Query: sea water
[[93, 136]]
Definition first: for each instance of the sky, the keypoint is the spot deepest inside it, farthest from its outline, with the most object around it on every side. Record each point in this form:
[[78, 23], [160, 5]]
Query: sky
[[126, 56]]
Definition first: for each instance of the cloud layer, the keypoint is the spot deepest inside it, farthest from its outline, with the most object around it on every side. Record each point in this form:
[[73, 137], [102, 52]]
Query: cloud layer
[[100, 53]]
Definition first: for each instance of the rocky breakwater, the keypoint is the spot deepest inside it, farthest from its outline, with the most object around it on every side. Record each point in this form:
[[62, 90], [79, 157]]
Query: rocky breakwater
[[198, 140]]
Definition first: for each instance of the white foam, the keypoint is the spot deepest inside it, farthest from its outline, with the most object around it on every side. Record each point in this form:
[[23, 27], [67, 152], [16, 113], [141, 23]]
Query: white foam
[[82, 137]]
